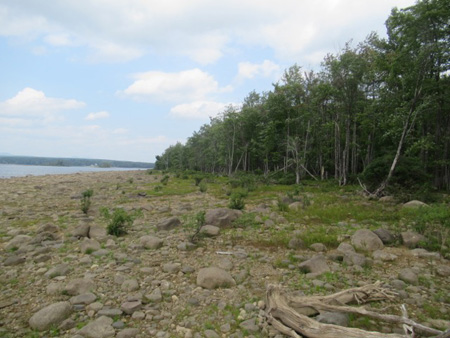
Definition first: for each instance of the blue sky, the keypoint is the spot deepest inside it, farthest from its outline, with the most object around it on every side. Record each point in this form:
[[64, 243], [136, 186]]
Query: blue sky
[[124, 79]]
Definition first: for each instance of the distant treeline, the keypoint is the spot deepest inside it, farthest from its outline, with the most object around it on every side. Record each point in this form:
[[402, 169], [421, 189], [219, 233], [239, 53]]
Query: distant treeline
[[72, 162]]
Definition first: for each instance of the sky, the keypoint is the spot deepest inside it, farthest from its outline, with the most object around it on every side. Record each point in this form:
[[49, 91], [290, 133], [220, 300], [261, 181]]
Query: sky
[[125, 79]]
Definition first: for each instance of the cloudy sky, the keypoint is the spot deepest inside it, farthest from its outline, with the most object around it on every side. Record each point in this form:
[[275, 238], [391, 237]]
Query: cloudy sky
[[124, 79]]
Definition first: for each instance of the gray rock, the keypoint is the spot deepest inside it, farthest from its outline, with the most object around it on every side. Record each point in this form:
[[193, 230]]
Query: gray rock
[[384, 256], [51, 315], [407, 275], [128, 333], [81, 231], [155, 296], [422, 253], [86, 299], [296, 244], [366, 240], [414, 204], [336, 318], [353, 258], [213, 277], [211, 334], [99, 328], [186, 246], [130, 285], [110, 312], [316, 265], [225, 263], [318, 247], [79, 286], [98, 233], [169, 223], [398, 284], [443, 270], [89, 245], [151, 242], [131, 307], [210, 230], [14, 260], [385, 235], [67, 324], [411, 239], [18, 241], [296, 206], [221, 217], [249, 325], [171, 267], [345, 248], [58, 270]]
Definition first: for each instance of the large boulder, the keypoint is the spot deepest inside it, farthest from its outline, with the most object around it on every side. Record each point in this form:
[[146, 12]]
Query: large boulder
[[221, 217], [18, 241], [366, 240], [169, 223], [212, 278], [98, 233], [151, 242], [79, 286], [385, 235], [316, 265], [414, 204], [88, 245], [99, 328], [50, 315]]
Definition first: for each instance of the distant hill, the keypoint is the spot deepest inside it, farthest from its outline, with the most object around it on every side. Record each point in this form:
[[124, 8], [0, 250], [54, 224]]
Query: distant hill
[[72, 162]]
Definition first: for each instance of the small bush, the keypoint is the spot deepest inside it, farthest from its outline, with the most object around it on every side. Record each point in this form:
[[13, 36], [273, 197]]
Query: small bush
[[282, 205], [158, 188], [165, 180], [86, 200], [203, 187], [236, 201], [118, 222], [198, 221], [197, 180]]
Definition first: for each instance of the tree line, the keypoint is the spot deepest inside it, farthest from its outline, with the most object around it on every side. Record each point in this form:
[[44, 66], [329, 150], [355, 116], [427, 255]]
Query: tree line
[[373, 109]]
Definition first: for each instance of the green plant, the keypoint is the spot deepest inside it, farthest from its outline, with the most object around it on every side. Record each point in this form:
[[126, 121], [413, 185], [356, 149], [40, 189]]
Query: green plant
[[158, 188], [86, 200], [282, 205], [203, 187], [165, 180], [197, 180], [118, 222], [236, 201], [199, 221]]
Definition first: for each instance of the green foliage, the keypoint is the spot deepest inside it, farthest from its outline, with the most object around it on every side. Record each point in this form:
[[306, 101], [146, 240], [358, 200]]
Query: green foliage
[[86, 200], [282, 205], [165, 180], [247, 220], [198, 222], [197, 180], [203, 187], [119, 221], [236, 201]]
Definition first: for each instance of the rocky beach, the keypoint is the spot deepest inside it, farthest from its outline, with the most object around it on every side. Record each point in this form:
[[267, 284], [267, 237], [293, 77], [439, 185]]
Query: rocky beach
[[62, 275]]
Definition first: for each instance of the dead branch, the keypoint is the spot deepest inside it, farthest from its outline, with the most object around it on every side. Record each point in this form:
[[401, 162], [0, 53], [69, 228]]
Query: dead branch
[[289, 315]]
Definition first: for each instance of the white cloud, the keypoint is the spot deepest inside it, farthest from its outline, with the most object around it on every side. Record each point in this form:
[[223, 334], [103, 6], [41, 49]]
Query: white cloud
[[95, 116], [248, 70], [205, 30], [33, 104], [188, 85], [198, 109]]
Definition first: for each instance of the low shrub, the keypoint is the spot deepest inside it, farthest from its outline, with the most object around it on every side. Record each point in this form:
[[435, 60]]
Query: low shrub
[[86, 200], [236, 201], [119, 221]]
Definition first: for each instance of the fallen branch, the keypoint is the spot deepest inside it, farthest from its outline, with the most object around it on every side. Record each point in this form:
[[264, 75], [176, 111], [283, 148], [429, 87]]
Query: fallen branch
[[289, 315]]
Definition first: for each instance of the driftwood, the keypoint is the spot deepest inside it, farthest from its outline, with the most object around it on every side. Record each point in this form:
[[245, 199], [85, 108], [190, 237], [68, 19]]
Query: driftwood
[[290, 315]]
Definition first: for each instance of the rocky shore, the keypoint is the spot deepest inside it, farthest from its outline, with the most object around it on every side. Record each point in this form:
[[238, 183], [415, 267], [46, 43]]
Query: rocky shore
[[62, 275]]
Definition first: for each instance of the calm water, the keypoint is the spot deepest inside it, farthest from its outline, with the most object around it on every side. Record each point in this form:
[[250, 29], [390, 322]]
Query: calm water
[[15, 170]]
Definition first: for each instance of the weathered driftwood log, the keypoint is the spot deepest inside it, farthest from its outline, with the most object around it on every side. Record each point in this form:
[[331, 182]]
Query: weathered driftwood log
[[287, 314]]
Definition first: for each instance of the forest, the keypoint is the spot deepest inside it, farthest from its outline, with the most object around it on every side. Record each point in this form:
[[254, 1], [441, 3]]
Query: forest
[[377, 112]]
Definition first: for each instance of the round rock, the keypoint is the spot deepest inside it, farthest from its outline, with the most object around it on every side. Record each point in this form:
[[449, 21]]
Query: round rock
[[53, 314], [212, 278]]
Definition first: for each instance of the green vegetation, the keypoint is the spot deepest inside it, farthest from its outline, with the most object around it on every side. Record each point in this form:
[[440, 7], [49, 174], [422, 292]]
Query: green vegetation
[[377, 112], [236, 201], [119, 221], [86, 200]]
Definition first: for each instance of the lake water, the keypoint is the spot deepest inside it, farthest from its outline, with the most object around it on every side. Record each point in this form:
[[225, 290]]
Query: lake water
[[15, 170]]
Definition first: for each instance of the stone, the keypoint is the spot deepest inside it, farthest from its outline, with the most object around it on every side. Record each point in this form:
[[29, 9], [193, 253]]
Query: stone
[[86, 299], [171, 267], [249, 325], [79, 286], [443, 270], [130, 307], [151, 242], [422, 253], [17, 242], [296, 206], [414, 204], [384, 256], [14, 260], [169, 224], [89, 245], [408, 276], [211, 334], [386, 199], [155, 296], [130, 285], [98, 233], [336, 318], [221, 217], [213, 277], [411, 239], [128, 333], [186, 246], [345, 248], [50, 315], [210, 230], [385, 235], [353, 258], [296, 244], [366, 240], [58, 270], [316, 265], [318, 247], [81, 231], [225, 264], [99, 328], [110, 312]]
